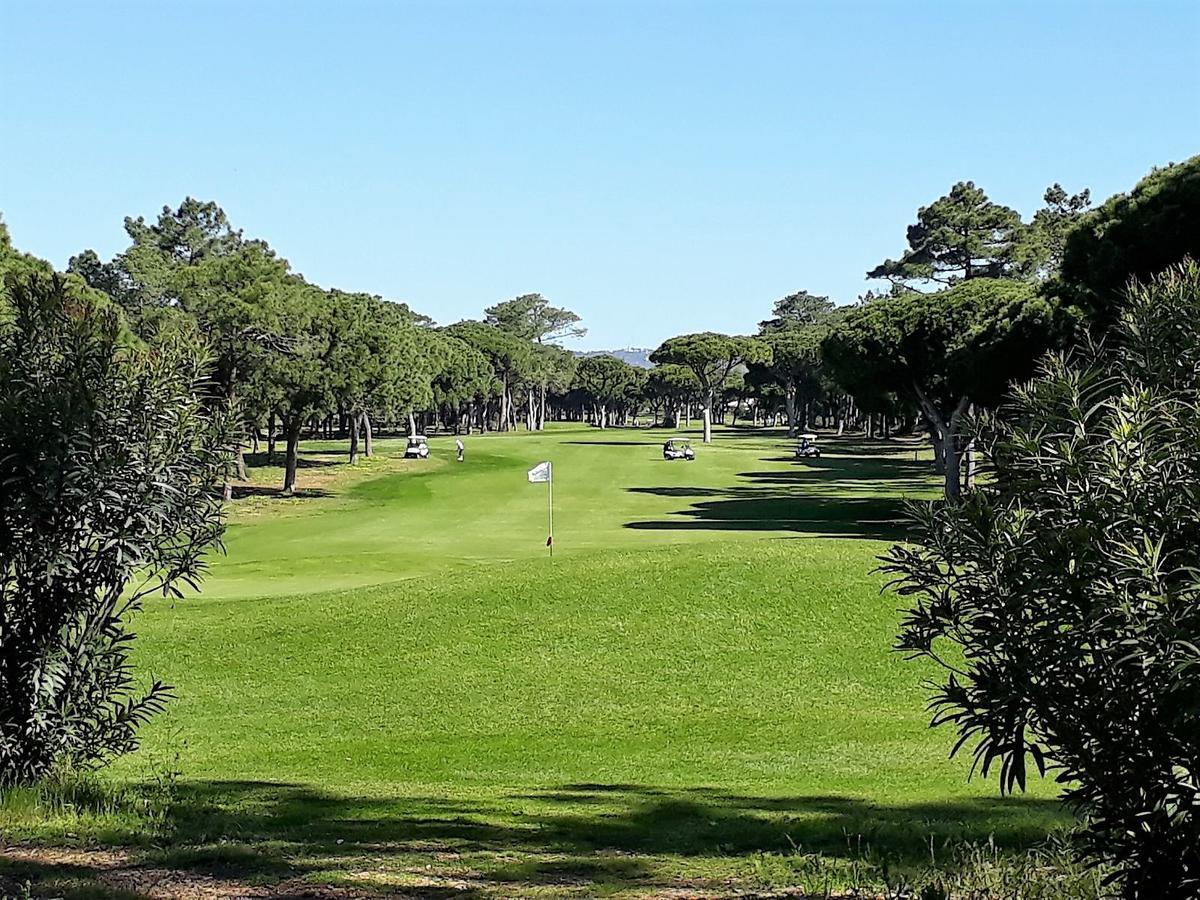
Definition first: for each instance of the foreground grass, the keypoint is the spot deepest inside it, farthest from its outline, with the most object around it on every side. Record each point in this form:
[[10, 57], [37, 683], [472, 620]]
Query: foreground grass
[[387, 685]]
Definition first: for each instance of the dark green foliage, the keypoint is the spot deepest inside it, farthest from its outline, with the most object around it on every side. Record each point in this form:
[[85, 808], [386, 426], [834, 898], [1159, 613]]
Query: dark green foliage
[[796, 367], [463, 378], [712, 359], [109, 456], [796, 311], [298, 376], [551, 369], [1132, 235], [943, 351], [670, 387], [509, 356], [1062, 599], [960, 236], [13, 261], [608, 382], [531, 317], [1039, 252]]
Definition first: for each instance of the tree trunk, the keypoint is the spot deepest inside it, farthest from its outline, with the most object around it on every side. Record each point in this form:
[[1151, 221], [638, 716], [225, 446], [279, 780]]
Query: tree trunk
[[353, 439], [292, 429], [951, 455], [271, 438], [707, 416], [368, 435], [670, 416], [939, 449], [946, 439]]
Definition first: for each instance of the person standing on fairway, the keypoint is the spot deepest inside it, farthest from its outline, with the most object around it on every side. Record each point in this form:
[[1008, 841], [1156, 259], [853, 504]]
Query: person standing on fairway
[[458, 445]]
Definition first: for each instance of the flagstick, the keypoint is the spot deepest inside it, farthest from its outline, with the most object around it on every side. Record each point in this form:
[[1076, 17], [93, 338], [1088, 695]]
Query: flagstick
[[550, 495]]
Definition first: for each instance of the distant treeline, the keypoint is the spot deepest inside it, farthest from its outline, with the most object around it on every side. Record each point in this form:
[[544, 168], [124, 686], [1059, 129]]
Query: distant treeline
[[975, 298]]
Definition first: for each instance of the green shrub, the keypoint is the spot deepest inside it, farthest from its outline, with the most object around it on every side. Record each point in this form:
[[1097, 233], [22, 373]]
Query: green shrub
[[1062, 600], [108, 458]]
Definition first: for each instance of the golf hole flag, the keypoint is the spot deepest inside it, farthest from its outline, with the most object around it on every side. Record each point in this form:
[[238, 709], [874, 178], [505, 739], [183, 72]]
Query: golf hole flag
[[543, 473]]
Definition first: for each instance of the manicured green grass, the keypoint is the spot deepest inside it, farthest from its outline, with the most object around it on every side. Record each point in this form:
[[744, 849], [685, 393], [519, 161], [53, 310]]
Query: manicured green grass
[[388, 683]]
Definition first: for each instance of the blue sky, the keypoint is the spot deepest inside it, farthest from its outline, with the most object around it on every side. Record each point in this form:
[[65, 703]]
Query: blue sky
[[658, 167]]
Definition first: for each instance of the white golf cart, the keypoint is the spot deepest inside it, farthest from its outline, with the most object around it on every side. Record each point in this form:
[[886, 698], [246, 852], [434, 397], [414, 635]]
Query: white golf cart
[[418, 447], [678, 448], [806, 447]]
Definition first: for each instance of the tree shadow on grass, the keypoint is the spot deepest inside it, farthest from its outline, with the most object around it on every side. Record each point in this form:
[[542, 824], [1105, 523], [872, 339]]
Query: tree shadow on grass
[[903, 473], [303, 461], [587, 834], [879, 519], [244, 491], [857, 496]]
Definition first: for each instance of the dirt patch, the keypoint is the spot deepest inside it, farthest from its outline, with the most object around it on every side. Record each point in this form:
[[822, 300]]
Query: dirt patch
[[64, 872], [118, 874]]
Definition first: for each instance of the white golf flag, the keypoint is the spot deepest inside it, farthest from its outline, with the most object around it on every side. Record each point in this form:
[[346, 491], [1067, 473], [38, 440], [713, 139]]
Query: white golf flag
[[540, 473]]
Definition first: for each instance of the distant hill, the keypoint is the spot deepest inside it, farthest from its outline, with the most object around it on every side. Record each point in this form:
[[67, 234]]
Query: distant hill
[[635, 356]]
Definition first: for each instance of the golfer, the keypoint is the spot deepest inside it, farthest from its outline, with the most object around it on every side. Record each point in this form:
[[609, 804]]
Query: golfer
[[458, 445]]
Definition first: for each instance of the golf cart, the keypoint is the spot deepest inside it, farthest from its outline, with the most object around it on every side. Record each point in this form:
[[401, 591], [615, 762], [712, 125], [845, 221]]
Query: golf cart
[[417, 447], [678, 448], [807, 447]]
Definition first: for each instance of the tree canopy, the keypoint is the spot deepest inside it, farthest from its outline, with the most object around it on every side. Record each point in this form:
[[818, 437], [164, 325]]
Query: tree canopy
[[795, 311], [964, 345], [1131, 236], [1039, 252], [711, 358], [796, 367], [532, 318], [607, 381], [960, 236]]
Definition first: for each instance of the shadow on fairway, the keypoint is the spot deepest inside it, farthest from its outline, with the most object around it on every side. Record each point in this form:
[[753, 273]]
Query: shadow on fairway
[[583, 834], [904, 473], [878, 519], [857, 496]]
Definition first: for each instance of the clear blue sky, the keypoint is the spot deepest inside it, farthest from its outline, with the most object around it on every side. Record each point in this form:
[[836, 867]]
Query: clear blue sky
[[658, 166]]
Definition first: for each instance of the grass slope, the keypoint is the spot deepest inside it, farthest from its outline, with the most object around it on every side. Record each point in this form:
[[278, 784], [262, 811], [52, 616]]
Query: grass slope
[[387, 682]]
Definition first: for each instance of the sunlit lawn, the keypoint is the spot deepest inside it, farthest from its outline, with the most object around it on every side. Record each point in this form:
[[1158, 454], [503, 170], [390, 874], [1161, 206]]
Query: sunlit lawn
[[387, 682]]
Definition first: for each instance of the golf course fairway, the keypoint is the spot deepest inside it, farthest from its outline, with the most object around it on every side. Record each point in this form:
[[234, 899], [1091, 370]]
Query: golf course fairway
[[387, 683]]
